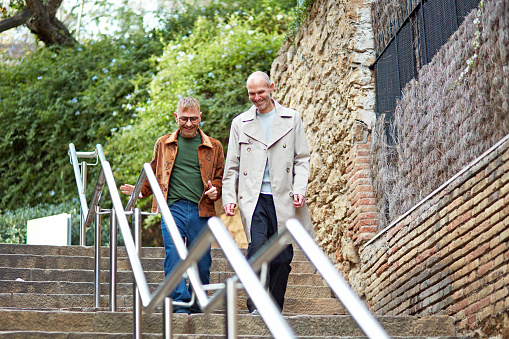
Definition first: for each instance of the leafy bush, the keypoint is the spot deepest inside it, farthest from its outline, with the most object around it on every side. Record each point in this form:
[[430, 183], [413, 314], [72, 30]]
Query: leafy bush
[[121, 92], [56, 96]]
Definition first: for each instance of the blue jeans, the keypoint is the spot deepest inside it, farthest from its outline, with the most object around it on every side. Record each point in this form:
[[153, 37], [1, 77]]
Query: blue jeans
[[189, 224]]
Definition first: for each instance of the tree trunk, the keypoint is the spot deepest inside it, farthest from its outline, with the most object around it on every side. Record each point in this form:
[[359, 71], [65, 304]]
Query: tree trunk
[[41, 20]]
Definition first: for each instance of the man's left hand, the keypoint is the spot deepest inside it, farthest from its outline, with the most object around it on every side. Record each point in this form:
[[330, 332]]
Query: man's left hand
[[298, 200], [211, 192]]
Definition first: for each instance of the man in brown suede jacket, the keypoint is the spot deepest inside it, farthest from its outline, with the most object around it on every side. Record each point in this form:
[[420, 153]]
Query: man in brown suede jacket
[[188, 166]]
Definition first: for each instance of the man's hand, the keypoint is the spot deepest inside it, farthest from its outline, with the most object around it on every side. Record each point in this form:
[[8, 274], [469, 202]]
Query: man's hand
[[211, 192], [128, 189], [298, 200], [229, 209]]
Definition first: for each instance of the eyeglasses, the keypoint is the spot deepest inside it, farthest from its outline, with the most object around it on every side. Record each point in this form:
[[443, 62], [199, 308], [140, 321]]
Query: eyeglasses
[[183, 120]]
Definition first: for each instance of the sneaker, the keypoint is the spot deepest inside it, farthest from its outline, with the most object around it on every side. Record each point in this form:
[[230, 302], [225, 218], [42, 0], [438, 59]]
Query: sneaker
[[255, 312]]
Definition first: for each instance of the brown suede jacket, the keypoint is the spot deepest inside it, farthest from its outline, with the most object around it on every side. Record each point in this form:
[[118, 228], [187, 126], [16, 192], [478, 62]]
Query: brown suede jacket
[[210, 157]]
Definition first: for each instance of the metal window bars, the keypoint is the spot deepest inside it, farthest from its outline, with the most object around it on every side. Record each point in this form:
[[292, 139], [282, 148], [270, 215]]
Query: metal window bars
[[244, 272]]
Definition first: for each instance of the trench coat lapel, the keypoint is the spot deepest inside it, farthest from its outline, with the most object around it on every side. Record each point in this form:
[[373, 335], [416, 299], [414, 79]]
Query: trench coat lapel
[[282, 124], [252, 127]]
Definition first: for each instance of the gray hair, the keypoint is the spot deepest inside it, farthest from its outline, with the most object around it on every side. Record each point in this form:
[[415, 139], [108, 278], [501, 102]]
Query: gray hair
[[187, 103]]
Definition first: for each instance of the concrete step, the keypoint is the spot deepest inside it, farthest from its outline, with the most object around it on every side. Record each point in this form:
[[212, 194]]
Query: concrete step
[[213, 324], [65, 287], [326, 306], [47, 292], [88, 251], [123, 264], [67, 335], [156, 277]]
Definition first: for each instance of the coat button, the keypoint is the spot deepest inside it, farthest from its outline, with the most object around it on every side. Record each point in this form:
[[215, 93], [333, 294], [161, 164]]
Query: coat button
[[249, 140], [245, 173], [284, 146], [287, 170], [290, 194], [249, 149], [240, 197]]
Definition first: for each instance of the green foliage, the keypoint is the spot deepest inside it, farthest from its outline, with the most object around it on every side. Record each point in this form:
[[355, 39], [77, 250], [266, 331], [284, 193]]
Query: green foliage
[[211, 62], [121, 92], [11, 7], [60, 95], [183, 19], [301, 14]]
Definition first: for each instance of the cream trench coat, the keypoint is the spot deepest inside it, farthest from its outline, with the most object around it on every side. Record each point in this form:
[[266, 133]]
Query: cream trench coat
[[288, 154]]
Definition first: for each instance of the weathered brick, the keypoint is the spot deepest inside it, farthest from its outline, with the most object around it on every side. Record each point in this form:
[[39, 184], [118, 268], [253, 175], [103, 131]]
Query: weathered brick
[[505, 234], [460, 305], [454, 204], [359, 189], [499, 306], [485, 312], [485, 268], [476, 306], [460, 220], [363, 195], [381, 269], [498, 295]]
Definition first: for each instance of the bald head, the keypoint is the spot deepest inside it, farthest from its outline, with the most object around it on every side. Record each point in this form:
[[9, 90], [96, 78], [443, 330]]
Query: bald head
[[259, 89], [257, 76]]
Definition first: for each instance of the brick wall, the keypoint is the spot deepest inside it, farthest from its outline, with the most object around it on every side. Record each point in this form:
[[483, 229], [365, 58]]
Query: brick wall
[[362, 212], [450, 253]]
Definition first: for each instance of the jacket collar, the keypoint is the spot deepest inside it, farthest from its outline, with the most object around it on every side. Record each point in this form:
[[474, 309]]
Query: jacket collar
[[280, 127], [205, 141]]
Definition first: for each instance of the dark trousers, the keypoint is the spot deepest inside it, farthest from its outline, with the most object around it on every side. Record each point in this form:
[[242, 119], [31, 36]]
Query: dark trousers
[[264, 226]]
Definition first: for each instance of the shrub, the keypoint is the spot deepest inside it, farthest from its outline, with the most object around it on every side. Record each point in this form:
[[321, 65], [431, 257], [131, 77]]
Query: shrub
[[60, 95]]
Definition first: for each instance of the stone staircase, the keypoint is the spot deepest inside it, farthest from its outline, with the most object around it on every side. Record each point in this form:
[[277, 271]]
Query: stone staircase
[[47, 292]]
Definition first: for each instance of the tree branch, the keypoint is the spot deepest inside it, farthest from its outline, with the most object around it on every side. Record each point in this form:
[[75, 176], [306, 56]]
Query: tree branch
[[16, 20]]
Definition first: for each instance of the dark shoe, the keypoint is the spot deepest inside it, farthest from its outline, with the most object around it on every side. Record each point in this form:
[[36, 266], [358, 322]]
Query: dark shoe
[[181, 310], [195, 310]]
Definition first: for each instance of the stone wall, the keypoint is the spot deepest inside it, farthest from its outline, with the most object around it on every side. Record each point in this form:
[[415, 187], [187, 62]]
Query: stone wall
[[324, 74], [449, 254]]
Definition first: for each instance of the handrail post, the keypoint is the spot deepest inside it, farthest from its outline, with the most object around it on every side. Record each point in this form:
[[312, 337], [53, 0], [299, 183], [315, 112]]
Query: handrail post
[[167, 314], [97, 266], [136, 292], [83, 233], [113, 261], [231, 309]]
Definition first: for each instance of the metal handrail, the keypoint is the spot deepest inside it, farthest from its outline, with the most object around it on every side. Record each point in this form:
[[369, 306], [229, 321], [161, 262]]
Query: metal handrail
[[218, 232], [244, 272], [294, 230], [215, 231]]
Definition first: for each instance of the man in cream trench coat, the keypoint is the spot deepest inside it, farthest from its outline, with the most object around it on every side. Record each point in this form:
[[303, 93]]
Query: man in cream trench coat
[[267, 175]]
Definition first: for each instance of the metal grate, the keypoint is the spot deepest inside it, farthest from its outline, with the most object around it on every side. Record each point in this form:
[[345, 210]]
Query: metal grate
[[419, 37], [386, 84], [440, 23]]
